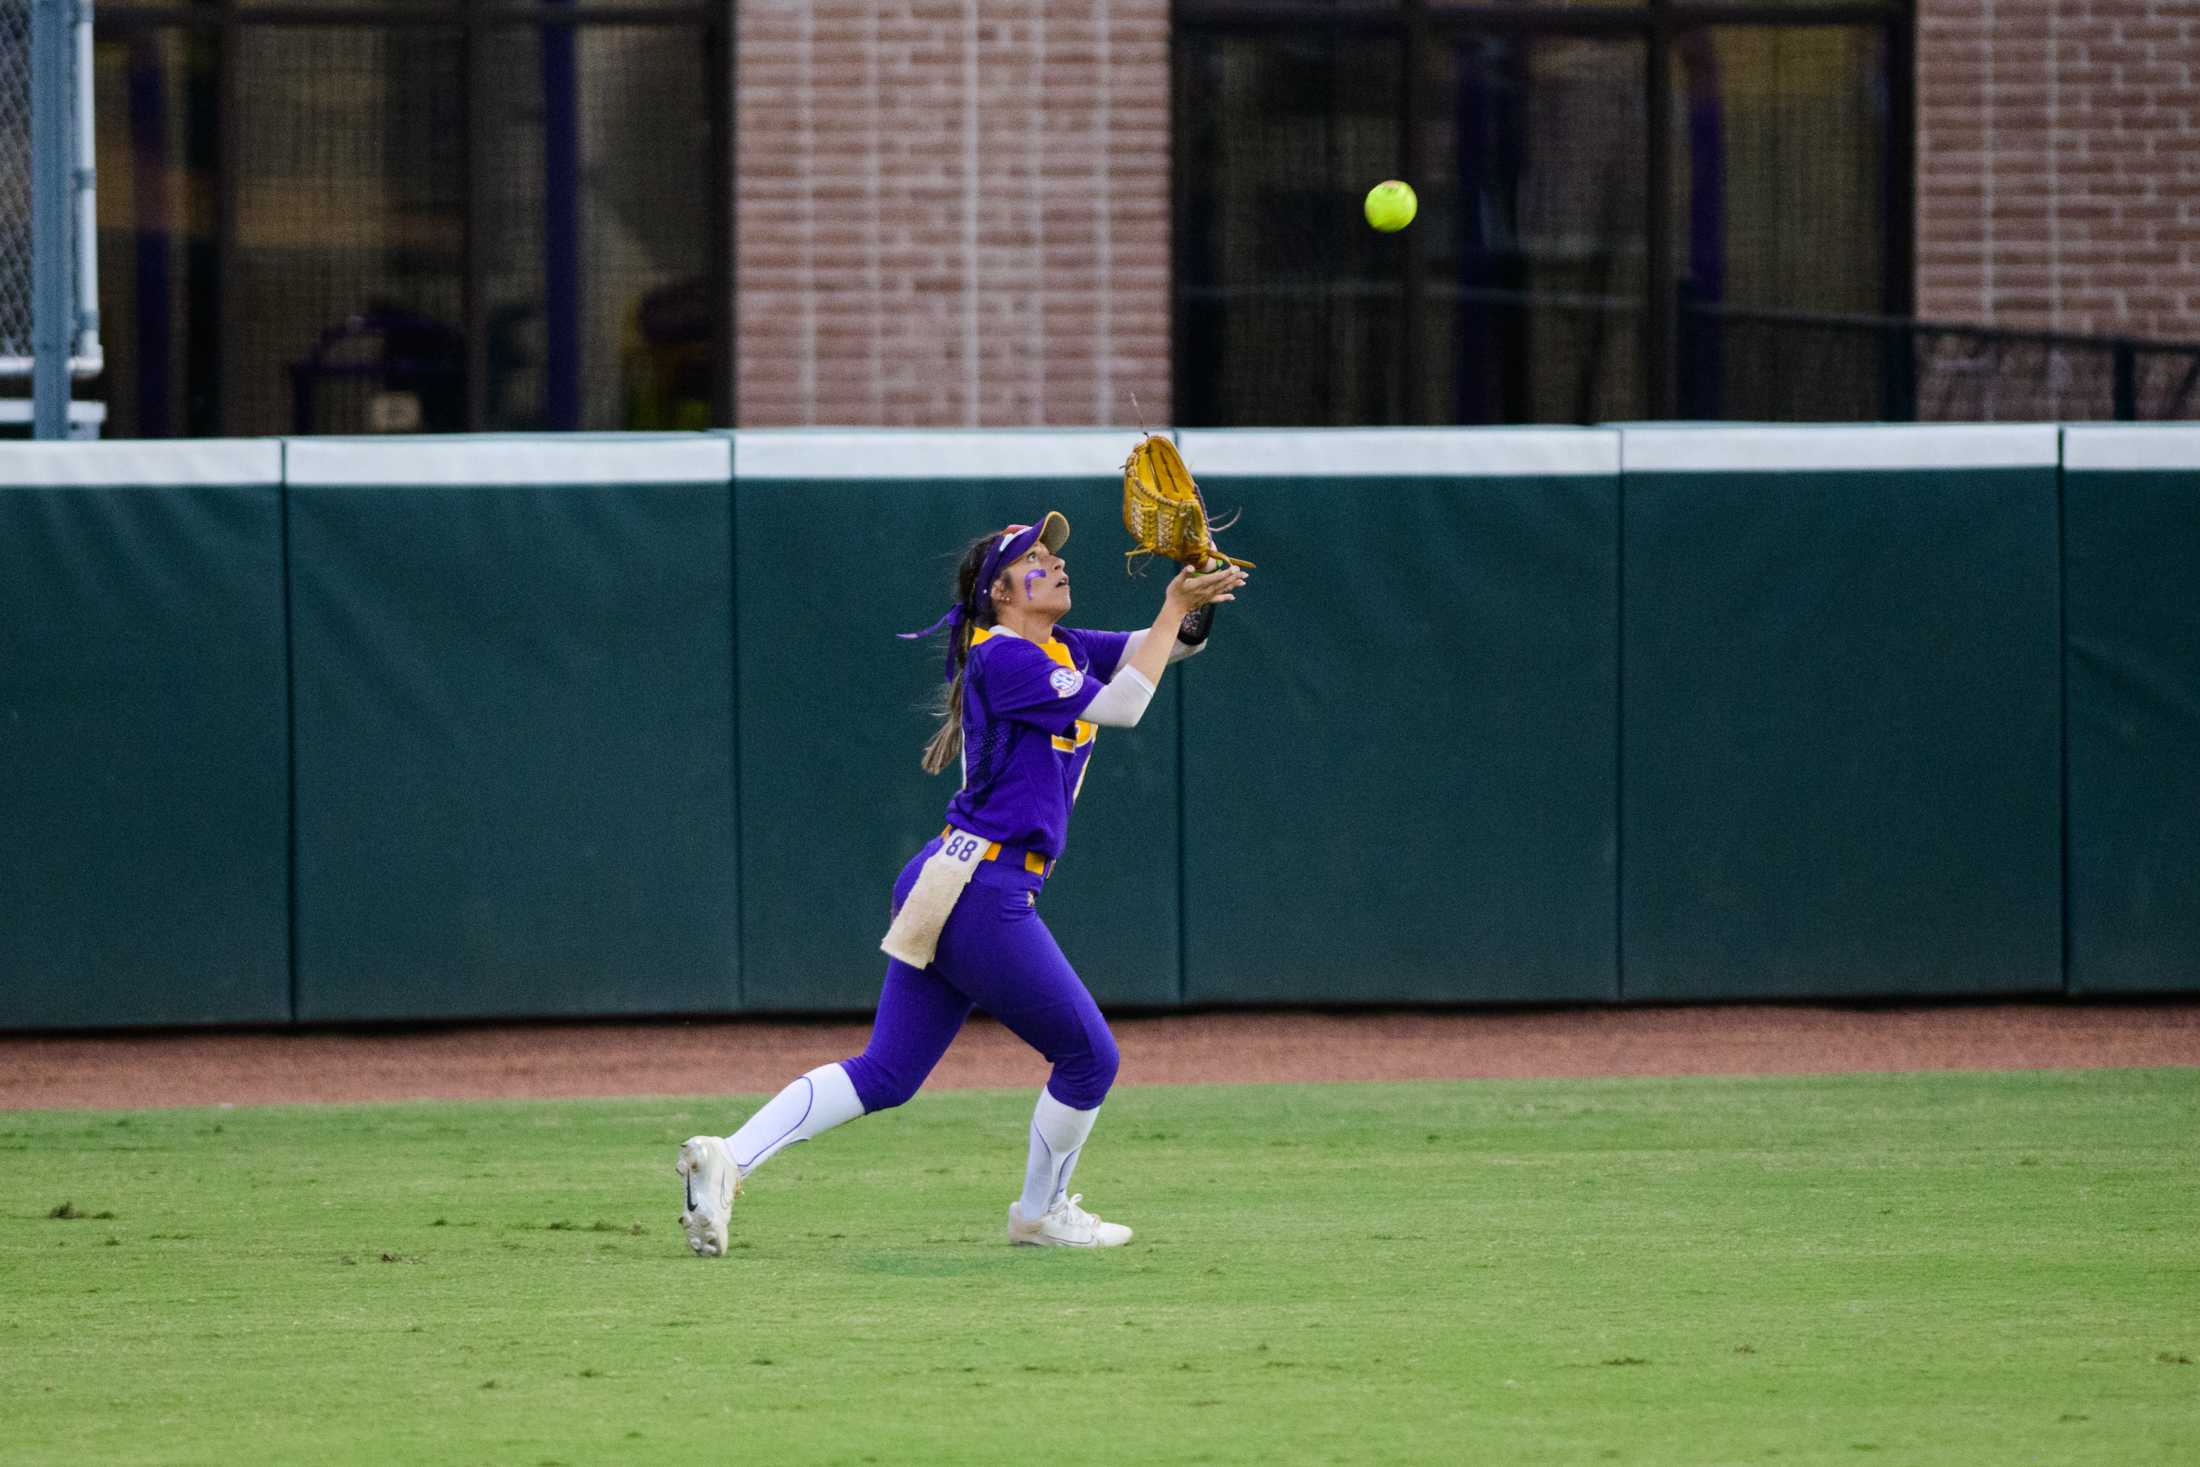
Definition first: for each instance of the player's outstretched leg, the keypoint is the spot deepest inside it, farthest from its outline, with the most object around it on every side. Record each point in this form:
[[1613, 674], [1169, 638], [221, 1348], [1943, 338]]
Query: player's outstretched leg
[[918, 1016], [711, 1168], [1048, 1215]]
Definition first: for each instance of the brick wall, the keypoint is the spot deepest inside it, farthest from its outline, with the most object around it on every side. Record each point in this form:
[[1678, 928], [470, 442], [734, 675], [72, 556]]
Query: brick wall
[[953, 213], [2058, 179], [2058, 187]]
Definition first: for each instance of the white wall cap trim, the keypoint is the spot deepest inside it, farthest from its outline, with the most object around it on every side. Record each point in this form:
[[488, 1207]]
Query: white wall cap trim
[[2132, 446], [846, 453], [137, 461], [520, 459], [1473, 453], [1835, 448]]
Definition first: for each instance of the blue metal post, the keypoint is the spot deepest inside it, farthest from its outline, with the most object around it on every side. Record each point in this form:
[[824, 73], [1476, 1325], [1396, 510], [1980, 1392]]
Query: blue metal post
[[154, 212], [51, 316], [561, 228]]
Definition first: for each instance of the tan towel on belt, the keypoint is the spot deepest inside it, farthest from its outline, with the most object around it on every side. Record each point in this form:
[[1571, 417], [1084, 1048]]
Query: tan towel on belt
[[915, 935]]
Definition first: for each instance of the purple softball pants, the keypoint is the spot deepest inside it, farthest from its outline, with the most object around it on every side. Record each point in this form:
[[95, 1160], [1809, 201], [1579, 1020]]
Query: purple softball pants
[[997, 955]]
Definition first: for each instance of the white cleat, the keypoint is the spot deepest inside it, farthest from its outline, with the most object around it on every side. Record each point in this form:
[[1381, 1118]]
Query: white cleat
[[711, 1182], [1065, 1225]]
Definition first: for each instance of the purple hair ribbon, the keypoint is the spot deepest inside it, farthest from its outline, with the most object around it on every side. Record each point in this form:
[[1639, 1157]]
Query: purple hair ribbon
[[1013, 541], [953, 622]]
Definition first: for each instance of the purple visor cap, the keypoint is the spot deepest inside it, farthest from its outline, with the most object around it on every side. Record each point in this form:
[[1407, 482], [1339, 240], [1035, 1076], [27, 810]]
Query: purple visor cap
[[1052, 531]]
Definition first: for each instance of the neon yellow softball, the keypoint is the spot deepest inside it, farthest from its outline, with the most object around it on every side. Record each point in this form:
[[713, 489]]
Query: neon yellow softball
[[1391, 205]]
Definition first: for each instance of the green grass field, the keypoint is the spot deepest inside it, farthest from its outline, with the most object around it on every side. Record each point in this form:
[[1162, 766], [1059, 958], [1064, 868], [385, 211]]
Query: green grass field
[[1944, 1268]]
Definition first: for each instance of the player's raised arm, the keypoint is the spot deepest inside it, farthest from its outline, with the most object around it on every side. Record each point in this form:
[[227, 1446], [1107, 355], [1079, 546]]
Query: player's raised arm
[[1149, 652], [1190, 640]]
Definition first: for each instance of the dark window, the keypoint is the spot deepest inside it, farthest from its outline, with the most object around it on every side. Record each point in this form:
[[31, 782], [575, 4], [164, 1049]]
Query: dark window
[[1607, 191], [332, 216]]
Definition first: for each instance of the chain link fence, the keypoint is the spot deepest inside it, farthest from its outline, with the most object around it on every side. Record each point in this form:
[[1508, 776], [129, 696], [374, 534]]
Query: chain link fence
[[15, 182]]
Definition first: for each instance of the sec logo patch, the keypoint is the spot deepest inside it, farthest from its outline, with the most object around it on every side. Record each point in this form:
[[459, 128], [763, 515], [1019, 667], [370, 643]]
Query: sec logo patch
[[1065, 681]]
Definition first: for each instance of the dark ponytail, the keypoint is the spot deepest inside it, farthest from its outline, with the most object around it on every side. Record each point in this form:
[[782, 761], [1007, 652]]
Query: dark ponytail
[[946, 743]]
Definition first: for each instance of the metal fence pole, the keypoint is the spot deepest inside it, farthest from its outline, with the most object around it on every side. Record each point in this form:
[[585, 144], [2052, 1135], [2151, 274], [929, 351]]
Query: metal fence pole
[[2124, 388], [87, 357], [725, 377], [51, 317], [1661, 317], [1898, 373], [562, 282]]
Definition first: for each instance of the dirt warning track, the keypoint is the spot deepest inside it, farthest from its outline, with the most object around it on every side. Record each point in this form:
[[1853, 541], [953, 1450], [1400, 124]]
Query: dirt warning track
[[526, 1061]]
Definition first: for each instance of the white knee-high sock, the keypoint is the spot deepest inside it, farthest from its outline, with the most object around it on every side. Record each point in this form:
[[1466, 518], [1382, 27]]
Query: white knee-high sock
[[811, 1106], [1057, 1135]]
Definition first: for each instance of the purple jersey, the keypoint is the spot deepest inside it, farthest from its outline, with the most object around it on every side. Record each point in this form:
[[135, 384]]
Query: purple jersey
[[1024, 746]]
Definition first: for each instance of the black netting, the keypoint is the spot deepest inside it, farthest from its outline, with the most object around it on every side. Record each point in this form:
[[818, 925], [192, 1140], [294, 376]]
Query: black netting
[[344, 306], [1781, 166], [599, 276], [590, 150], [1529, 251], [153, 90], [1290, 307], [1534, 244]]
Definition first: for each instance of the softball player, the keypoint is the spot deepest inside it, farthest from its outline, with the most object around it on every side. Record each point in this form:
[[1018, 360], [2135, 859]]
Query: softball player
[[1025, 699]]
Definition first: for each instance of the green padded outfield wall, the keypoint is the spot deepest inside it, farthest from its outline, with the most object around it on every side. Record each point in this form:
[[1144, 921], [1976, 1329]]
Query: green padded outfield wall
[[2131, 566], [1841, 710], [1400, 753], [583, 727], [513, 689], [844, 539], [143, 763]]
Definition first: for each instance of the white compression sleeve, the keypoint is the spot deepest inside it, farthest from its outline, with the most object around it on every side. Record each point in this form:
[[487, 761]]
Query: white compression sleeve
[[1058, 1134], [811, 1106], [1123, 701], [1177, 650]]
